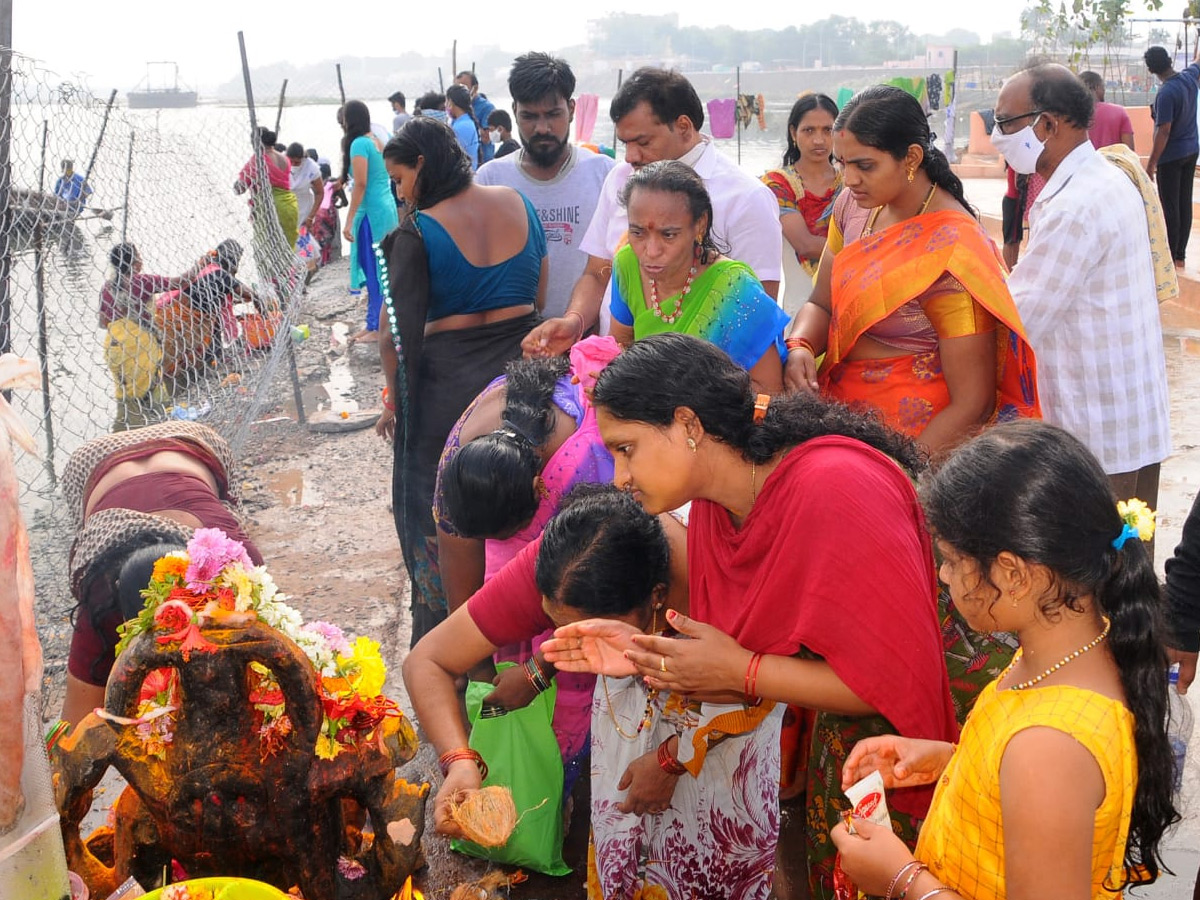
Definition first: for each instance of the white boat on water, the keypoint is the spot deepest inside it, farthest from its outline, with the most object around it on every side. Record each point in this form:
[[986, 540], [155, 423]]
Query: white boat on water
[[160, 95]]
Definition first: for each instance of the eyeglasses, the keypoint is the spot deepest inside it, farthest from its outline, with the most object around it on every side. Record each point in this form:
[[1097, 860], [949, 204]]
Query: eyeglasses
[[1000, 123]]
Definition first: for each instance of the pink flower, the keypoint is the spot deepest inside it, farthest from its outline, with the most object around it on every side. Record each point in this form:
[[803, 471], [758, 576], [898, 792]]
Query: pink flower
[[334, 637], [210, 551]]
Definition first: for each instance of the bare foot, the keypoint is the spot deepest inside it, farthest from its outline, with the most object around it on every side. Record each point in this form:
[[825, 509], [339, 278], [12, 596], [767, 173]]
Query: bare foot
[[365, 337]]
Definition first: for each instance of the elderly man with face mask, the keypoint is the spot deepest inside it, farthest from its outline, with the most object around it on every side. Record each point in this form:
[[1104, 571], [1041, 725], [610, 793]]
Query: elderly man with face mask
[[1085, 286]]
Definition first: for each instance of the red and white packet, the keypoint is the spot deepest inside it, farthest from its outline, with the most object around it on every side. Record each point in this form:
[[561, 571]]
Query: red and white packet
[[868, 800]]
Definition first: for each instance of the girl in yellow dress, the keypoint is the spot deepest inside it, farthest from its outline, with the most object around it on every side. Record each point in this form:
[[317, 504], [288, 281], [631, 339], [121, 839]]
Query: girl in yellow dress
[[1061, 783]]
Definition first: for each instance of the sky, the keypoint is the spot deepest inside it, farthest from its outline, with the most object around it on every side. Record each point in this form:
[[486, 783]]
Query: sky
[[111, 42]]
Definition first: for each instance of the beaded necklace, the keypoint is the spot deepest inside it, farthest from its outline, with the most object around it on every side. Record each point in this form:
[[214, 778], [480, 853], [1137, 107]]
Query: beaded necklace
[[1066, 659], [648, 714], [656, 306]]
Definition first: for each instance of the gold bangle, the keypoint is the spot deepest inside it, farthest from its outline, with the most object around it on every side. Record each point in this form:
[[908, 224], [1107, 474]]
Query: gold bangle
[[582, 324]]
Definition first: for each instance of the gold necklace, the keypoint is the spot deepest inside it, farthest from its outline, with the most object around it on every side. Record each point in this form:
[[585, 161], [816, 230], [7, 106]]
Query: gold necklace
[[875, 212], [753, 488], [648, 713], [1066, 659]]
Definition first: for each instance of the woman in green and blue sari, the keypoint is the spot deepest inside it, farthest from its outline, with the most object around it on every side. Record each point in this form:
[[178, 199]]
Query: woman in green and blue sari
[[672, 277]]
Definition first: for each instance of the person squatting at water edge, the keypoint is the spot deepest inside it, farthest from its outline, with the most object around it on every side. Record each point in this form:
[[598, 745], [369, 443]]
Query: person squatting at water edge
[[466, 273], [132, 348], [134, 497], [1062, 783], [672, 276], [910, 307], [521, 445], [767, 622], [684, 791]]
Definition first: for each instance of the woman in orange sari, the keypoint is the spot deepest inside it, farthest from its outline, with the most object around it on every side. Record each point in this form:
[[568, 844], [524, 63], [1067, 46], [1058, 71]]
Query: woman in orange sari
[[910, 310]]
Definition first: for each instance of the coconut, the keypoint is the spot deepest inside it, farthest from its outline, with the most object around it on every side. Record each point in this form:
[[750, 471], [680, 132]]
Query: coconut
[[487, 817]]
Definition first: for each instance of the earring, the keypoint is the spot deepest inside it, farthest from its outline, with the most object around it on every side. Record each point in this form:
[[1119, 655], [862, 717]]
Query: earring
[[911, 175], [1013, 595], [691, 444]]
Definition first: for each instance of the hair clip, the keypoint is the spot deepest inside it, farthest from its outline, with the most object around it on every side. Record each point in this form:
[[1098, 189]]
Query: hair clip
[[761, 402], [1139, 521]]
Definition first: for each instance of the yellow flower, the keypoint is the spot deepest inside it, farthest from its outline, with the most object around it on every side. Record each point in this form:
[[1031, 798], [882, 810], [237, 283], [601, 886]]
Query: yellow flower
[[364, 667], [237, 579], [1138, 515], [327, 747], [169, 566]]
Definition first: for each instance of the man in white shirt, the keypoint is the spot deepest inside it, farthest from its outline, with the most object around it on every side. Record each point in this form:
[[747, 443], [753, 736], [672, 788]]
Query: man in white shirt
[[1085, 285], [658, 116], [306, 183], [562, 182]]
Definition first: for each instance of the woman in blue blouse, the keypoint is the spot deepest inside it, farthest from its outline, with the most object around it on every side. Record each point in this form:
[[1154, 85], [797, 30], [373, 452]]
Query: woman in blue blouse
[[372, 212], [467, 273]]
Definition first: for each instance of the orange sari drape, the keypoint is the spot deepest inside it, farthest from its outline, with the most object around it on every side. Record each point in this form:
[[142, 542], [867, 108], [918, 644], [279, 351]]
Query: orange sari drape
[[876, 275]]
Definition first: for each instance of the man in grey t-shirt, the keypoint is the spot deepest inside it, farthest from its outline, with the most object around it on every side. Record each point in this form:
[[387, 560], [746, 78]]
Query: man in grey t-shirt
[[561, 181]]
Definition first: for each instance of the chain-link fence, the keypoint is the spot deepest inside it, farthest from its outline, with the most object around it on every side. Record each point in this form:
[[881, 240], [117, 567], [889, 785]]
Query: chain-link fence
[[142, 282]]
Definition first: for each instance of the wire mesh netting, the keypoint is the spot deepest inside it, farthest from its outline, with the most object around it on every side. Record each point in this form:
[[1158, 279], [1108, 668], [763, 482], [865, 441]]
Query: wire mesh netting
[[149, 275]]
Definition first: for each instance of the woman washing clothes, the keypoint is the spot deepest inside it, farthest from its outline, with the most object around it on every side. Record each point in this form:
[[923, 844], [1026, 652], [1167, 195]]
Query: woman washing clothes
[[132, 348], [135, 497]]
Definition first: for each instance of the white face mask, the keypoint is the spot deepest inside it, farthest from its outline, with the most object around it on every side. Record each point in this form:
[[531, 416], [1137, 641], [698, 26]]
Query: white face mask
[[1021, 149], [496, 138]]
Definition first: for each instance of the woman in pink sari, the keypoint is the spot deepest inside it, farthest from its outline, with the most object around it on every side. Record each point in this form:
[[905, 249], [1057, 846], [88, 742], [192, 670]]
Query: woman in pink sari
[[525, 441], [279, 180]]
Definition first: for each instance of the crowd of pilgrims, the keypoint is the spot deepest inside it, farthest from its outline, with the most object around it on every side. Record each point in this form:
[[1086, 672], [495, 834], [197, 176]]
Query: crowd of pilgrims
[[757, 556]]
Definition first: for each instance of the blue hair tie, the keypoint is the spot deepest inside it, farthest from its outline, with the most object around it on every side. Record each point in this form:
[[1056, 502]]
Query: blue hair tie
[[1127, 532]]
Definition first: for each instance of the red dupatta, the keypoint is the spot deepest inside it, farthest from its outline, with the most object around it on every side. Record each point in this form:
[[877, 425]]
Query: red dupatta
[[835, 558]]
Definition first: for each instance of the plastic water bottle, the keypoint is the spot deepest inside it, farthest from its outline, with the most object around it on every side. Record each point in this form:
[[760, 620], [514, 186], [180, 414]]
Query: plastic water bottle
[[1179, 724]]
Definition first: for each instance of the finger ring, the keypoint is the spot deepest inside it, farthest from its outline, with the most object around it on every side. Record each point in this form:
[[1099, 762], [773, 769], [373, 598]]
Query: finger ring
[[662, 663]]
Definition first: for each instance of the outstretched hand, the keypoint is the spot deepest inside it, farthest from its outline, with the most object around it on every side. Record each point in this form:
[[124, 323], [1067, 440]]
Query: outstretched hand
[[592, 645], [903, 762], [710, 663], [552, 337]]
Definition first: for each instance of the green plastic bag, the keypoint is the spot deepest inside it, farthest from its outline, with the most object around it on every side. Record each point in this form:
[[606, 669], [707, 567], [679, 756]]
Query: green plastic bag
[[522, 754]]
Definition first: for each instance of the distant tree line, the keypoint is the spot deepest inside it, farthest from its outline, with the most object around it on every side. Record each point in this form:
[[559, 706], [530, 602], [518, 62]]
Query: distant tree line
[[833, 41]]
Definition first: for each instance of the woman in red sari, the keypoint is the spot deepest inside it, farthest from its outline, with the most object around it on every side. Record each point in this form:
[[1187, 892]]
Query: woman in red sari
[[781, 492], [807, 183], [910, 309]]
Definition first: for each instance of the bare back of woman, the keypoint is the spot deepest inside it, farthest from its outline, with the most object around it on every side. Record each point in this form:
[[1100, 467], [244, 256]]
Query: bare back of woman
[[163, 461]]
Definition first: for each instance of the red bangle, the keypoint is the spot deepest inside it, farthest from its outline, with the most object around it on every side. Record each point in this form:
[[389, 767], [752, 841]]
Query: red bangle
[[751, 682], [390, 407], [799, 343], [669, 763], [453, 756]]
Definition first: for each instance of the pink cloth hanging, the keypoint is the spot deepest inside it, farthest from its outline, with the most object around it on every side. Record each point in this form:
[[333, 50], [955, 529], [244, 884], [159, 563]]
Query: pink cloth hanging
[[586, 108], [722, 118]]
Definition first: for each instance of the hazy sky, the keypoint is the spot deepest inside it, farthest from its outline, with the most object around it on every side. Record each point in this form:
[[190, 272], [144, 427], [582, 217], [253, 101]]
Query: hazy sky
[[111, 42]]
